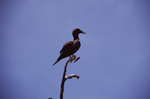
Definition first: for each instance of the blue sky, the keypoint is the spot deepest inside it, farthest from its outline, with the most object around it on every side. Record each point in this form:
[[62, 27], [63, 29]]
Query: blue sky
[[114, 53]]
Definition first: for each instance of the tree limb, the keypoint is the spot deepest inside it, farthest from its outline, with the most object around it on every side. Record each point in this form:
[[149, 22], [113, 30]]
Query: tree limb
[[71, 76], [64, 78]]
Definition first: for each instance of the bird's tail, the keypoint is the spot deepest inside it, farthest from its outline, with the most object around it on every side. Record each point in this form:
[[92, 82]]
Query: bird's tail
[[57, 61]]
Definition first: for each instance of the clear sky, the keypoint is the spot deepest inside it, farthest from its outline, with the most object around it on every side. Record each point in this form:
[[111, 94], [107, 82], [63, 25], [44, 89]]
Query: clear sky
[[115, 52]]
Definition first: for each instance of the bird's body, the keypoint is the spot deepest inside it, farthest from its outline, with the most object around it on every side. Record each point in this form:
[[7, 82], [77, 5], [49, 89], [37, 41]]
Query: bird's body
[[70, 47]]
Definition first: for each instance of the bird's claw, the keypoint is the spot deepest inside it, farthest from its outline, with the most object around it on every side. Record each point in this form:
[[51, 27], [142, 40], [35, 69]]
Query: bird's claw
[[73, 58]]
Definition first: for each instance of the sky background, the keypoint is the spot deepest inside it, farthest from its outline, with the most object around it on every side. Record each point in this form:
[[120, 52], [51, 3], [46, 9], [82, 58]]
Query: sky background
[[115, 52]]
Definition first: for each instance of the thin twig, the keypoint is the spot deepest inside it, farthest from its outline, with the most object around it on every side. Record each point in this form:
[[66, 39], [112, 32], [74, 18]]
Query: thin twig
[[63, 80], [71, 76]]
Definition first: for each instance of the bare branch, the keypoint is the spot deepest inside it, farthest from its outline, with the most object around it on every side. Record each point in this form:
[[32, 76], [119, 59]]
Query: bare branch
[[76, 59], [64, 78], [71, 76]]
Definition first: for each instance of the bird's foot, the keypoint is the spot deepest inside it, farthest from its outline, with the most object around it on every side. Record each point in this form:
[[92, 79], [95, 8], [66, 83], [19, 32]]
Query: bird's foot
[[73, 58]]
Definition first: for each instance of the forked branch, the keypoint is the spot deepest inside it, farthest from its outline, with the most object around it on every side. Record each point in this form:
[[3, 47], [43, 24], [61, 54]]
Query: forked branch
[[64, 78]]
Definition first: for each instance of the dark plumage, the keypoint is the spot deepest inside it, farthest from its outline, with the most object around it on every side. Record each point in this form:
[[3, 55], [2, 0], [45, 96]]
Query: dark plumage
[[70, 47]]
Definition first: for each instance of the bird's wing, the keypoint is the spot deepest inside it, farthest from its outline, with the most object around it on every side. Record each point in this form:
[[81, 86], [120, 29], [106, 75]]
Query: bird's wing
[[67, 46]]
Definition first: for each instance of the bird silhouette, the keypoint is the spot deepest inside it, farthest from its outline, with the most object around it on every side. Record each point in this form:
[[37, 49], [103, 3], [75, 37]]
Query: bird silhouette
[[70, 47]]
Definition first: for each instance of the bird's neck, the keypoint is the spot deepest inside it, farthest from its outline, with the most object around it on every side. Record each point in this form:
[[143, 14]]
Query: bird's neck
[[75, 37]]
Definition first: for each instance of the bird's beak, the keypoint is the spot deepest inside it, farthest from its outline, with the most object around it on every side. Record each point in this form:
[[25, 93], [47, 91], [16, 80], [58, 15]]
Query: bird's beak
[[83, 32]]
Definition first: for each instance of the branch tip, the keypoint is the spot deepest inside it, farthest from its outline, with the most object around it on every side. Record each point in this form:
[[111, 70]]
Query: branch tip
[[71, 76]]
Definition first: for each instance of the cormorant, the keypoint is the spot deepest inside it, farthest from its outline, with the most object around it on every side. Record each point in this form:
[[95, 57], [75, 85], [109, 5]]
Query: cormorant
[[70, 47]]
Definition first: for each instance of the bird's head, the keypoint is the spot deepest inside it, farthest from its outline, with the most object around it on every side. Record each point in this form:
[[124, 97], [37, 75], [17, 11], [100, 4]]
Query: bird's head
[[76, 32]]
